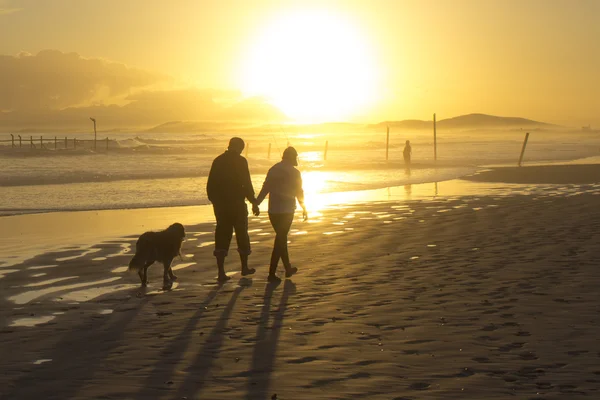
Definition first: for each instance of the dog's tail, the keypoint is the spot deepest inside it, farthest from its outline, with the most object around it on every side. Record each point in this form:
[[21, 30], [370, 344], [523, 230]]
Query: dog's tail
[[136, 263]]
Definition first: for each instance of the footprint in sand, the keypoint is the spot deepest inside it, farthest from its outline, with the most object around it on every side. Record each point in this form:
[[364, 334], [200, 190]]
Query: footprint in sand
[[302, 360], [577, 352], [528, 355], [327, 347], [510, 346], [421, 341], [419, 386], [365, 362], [489, 328]]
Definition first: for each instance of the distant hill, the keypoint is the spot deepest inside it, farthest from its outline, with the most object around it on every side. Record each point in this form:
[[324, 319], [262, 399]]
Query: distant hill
[[467, 122], [470, 121], [484, 120]]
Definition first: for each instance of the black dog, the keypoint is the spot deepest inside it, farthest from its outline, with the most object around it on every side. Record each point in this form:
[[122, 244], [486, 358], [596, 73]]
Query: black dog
[[161, 246]]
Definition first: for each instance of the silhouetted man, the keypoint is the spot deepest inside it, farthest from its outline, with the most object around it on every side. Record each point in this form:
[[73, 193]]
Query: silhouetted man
[[228, 186]]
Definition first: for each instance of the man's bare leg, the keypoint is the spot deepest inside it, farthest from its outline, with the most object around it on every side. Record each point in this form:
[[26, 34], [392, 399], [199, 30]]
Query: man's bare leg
[[221, 266], [245, 269]]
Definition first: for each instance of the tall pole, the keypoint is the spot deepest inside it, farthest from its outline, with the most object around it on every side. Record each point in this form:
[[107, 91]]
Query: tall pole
[[94, 121], [434, 139], [387, 144], [523, 149]]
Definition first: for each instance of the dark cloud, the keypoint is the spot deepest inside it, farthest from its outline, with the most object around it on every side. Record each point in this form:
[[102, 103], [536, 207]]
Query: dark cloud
[[55, 80]]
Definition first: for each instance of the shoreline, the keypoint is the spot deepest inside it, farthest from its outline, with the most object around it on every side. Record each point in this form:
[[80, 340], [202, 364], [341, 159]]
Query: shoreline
[[577, 171]]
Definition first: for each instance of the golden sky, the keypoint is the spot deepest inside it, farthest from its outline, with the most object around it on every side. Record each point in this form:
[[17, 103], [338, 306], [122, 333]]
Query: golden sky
[[355, 60]]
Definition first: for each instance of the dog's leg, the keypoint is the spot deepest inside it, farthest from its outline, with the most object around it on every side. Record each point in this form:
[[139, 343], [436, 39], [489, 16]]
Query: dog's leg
[[143, 273], [171, 274], [167, 283]]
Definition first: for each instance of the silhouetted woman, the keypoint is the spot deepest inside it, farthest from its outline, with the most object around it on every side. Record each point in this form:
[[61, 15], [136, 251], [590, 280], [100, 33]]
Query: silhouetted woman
[[407, 152], [283, 184]]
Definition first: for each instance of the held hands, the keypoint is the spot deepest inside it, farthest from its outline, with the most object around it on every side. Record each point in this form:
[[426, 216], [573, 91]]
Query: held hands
[[255, 209]]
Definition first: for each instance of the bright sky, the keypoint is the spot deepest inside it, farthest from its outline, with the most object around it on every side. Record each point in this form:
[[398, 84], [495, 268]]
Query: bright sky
[[359, 60]]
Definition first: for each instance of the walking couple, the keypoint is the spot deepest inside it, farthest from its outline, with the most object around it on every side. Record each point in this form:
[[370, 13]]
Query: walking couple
[[229, 186]]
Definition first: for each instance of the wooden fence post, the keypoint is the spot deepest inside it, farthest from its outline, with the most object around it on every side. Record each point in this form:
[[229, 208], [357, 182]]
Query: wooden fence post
[[434, 139], [31, 145], [387, 144], [20, 141], [523, 149], [12, 140]]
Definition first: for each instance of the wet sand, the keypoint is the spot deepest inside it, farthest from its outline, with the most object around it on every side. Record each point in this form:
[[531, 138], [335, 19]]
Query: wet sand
[[541, 174], [478, 297]]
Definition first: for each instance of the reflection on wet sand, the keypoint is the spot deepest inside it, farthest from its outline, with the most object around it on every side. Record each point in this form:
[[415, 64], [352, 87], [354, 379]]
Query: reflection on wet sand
[[32, 321], [49, 281], [182, 266], [43, 266], [83, 254], [28, 296], [4, 272], [95, 292]]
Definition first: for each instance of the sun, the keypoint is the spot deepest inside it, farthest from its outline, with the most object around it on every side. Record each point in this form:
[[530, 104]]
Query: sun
[[313, 65]]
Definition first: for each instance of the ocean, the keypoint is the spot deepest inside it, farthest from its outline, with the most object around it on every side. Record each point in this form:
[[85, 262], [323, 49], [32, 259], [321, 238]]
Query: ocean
[[141, 170]]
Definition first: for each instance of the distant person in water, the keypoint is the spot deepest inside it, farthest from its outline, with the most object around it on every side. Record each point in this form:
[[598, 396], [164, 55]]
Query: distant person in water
[[407, 152], [283, 184], [228, 186]]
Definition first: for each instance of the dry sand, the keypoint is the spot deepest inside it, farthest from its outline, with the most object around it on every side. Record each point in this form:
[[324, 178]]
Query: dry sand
[[466, 297]]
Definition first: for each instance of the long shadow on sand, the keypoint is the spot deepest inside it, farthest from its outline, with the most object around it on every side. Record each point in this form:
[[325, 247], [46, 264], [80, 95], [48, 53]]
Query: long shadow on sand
[[168, 358], [202, 364], [265, 350], [75, 358]]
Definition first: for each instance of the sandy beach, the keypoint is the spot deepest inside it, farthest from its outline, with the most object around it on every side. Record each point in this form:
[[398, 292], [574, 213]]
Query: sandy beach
[[447, 296]]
